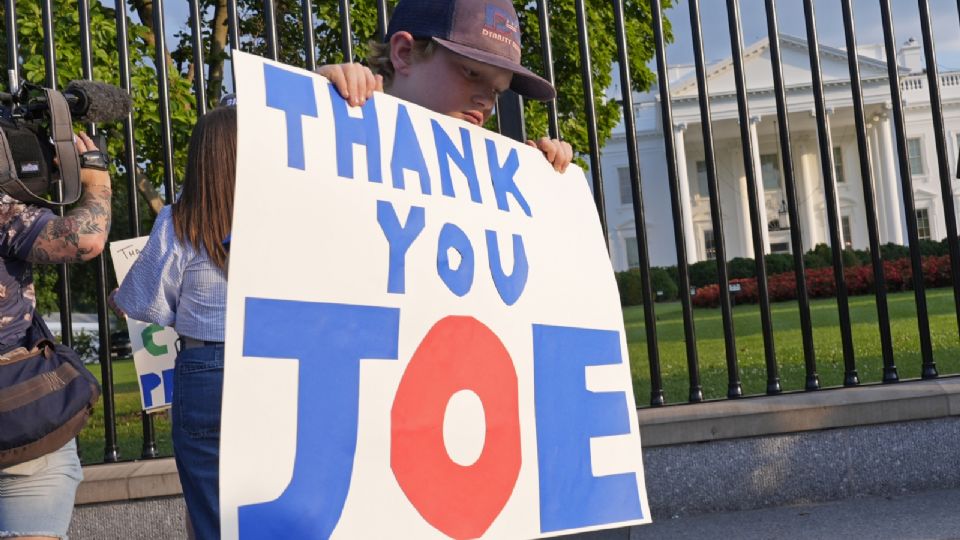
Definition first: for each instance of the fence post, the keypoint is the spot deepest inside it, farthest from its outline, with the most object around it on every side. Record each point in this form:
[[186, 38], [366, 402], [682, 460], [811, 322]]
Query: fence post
[[510, 116]]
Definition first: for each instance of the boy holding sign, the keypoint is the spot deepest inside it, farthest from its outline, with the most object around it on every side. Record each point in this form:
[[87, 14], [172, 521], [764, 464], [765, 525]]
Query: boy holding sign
[[453, 57], [415, 362]]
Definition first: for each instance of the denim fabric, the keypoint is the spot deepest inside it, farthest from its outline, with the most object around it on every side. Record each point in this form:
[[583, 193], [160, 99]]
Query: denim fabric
[[40, 503], [197, 394]]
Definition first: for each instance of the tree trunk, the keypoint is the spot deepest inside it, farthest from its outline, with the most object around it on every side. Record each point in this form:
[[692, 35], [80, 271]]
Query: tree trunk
[[215, 58], [149, 193], [144, 9]]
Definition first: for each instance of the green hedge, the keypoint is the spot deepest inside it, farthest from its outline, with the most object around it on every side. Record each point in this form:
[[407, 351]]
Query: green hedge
[[628, 283], [662, 285]]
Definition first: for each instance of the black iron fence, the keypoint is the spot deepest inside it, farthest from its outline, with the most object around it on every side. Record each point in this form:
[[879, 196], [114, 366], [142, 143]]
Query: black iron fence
[[829, 184], [264, 38]]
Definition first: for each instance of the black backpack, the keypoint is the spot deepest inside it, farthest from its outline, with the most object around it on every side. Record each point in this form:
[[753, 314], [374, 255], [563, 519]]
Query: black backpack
[[46, 397]]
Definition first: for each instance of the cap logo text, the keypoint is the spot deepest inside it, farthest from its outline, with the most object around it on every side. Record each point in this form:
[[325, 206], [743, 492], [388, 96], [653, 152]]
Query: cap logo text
[[499, 24]]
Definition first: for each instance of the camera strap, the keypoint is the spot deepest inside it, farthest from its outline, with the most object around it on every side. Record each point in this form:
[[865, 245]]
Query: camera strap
[[61, 133], [8, 168]]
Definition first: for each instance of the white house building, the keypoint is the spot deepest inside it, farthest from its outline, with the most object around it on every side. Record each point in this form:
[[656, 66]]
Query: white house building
[[686, 131]]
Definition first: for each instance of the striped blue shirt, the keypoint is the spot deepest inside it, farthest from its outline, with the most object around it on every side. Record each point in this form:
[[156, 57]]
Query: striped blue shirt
[[173, 284]]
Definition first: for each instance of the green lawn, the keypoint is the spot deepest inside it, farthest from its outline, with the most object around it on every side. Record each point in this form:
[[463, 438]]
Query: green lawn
[[709, 331], [129, 424], [788, 346]]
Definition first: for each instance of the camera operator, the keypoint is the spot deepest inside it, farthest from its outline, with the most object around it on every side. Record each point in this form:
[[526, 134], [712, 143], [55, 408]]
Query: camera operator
[[36, 497]]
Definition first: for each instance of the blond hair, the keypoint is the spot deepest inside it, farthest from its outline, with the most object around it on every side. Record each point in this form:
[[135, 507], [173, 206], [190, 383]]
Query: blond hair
[[378, 57]]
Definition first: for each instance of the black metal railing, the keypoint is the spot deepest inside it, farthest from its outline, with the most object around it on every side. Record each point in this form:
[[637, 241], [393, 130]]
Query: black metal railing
[[511, 123]]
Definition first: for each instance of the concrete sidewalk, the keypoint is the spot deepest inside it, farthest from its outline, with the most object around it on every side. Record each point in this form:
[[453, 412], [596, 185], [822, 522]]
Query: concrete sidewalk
[[930, 515]]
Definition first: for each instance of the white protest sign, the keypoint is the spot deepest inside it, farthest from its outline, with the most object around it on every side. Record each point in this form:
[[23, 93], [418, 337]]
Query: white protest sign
[[154, 346], [424, 335]]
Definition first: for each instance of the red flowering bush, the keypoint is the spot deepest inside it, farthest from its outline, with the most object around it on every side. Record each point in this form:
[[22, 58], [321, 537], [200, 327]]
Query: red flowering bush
[[782, 287], [859, 280], [708, 296]]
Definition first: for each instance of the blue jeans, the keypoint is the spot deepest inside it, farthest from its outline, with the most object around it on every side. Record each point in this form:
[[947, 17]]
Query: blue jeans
[[197, 394], [36, 497]]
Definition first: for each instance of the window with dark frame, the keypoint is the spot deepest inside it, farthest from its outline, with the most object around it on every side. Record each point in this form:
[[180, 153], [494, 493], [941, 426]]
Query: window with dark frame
[[633, 255], [702, 190], [838, 165], [626, 192], [770, 170], [923, 224], [915, 156], [709, 248], [847, 232]]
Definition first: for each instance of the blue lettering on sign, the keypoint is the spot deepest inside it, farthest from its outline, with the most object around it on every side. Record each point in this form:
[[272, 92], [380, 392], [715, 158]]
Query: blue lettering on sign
[[168, 386], [568, 415], [464, 161], [399, 237], [502, 177], [151, 381], [459, 279], [407, 153], [510, 287], [293, 94], [329, 340], [364, 131]]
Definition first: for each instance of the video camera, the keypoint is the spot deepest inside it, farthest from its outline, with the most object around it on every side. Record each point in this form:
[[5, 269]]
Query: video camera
[[36, 127]]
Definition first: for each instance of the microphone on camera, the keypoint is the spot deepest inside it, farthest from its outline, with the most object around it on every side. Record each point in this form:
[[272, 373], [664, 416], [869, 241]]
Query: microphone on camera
[[93, 101]]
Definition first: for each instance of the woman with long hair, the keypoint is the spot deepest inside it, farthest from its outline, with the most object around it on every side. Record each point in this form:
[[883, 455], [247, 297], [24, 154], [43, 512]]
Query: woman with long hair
[[180, 280]]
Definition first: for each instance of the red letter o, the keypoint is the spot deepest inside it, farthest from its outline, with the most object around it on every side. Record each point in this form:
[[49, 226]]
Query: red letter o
[[461, 501]]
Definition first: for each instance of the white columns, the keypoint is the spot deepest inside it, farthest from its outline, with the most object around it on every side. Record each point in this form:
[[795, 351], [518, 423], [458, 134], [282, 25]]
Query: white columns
[[894, 217], [745, 237], [743, 207], [836, 191], [686, 209], [761, 191], [876, 172], [809, 194]]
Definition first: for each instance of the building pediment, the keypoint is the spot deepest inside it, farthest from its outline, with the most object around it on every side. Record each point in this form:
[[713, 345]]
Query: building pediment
[[795, 62], [924, 194]]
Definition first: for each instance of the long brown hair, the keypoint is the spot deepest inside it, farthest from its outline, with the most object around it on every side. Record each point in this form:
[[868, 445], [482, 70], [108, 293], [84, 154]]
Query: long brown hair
[[204, 212]]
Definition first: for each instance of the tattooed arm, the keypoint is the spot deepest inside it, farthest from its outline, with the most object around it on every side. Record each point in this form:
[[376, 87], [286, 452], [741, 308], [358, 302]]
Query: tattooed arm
[[82, 232]]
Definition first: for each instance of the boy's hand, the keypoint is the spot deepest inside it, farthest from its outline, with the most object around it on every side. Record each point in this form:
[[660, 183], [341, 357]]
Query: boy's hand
[[355, 82], [558, 153]]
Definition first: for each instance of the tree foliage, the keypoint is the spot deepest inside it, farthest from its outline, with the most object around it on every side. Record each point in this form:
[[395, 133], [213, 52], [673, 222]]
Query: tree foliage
[[327, 33], [363, 25], [603, 54], [146, 113]]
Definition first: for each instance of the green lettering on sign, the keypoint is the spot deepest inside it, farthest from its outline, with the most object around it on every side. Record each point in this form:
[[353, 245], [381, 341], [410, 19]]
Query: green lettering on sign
[[148, 344]]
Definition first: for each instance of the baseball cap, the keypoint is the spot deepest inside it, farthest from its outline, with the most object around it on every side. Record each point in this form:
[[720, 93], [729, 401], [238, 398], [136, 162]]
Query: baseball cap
[[487, 31]]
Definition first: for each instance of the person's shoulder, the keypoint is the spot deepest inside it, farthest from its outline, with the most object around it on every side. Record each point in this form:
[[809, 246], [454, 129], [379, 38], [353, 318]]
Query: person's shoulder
[[164, 218], [162, 231]]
